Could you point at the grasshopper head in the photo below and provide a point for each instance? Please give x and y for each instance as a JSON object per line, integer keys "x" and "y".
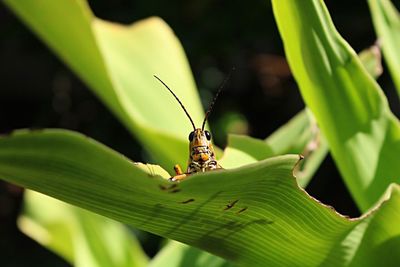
{"x": 201, "y": 149}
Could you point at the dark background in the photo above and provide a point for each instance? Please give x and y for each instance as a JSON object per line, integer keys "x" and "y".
{"x": 38, "y": 91}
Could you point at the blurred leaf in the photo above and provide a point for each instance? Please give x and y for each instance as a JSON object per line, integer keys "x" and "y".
{"x": 230, "y": 122}
{"x": 363, "y": 135}
{"x": 293, "y": 135}
{"x": 371, "y": 59}
{"x": 243, "y": 150}
{"x": 255, "y": 215}
{"x": 118, "y": 63}
{"x": 81, "y": 237}
{"x": 306, "y": 139}
{"x": 233, "y": 157}
{"x": 176, "y": 254}
{"x": 298, "y": 136}
{"x": 386, "y": 20}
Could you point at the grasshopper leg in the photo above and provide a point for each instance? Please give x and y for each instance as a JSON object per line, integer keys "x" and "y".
{"x": 178, "y": 170}
{"x": 178, "y": 178}
{"x": 179, "y": 174}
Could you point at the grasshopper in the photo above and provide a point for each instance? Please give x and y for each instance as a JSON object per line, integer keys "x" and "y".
{"x": 201, "y": 151}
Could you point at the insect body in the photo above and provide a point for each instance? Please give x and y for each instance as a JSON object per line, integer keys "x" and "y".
{"x": 201, "y": 152}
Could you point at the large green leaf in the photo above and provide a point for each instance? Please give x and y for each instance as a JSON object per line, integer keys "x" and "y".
{"x": 255, "y": 215}
{"x": 363, "y": 135}
{"x": 81, "y": 237}
{"x": 118, "y": 63}
{"x": 386, "y": 20}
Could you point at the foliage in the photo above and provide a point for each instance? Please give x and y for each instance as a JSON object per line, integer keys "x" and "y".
{"x": 351, "y": 110}
{"x": 386, "y": 20}
{"x": 253, "y": 213}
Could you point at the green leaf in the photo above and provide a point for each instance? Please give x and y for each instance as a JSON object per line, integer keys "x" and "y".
{"x": 375, "y": 238}
{"x": 176, "y": 254}
{"x": 255, "y": 215}
{"x": 118, "y": 63}
{"x": 298, "y": 136}
{"x": 363, "y": 135}
{"x": 81, "y": 237}
{"x": 386, "y": 21}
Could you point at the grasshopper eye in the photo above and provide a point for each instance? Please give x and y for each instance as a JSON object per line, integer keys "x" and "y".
{"x": 208, "y": 135}
{"x": 191, "y": 135}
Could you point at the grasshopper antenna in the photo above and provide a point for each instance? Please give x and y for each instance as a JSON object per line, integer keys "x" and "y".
{"x": 177, "y": 99}
{"x": 216, "y": 96}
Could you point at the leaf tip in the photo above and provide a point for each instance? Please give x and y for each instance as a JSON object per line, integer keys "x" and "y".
{"x": 297, "y": 165}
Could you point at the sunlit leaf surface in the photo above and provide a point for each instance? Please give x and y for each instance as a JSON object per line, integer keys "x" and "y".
{"x": 351, "y": 110}
{"x": 255, "y": 215}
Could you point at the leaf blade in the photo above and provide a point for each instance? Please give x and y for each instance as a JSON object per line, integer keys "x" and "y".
{"x": 118, "y": 62}
{"x": 353, "y": 114}
{"x": 247, "y": 221}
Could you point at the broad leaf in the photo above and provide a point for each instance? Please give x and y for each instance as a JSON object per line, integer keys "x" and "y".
{"x": 363, "y": 135}
{"x": 118, "y": 63}
{"x": 255, "y": 215}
